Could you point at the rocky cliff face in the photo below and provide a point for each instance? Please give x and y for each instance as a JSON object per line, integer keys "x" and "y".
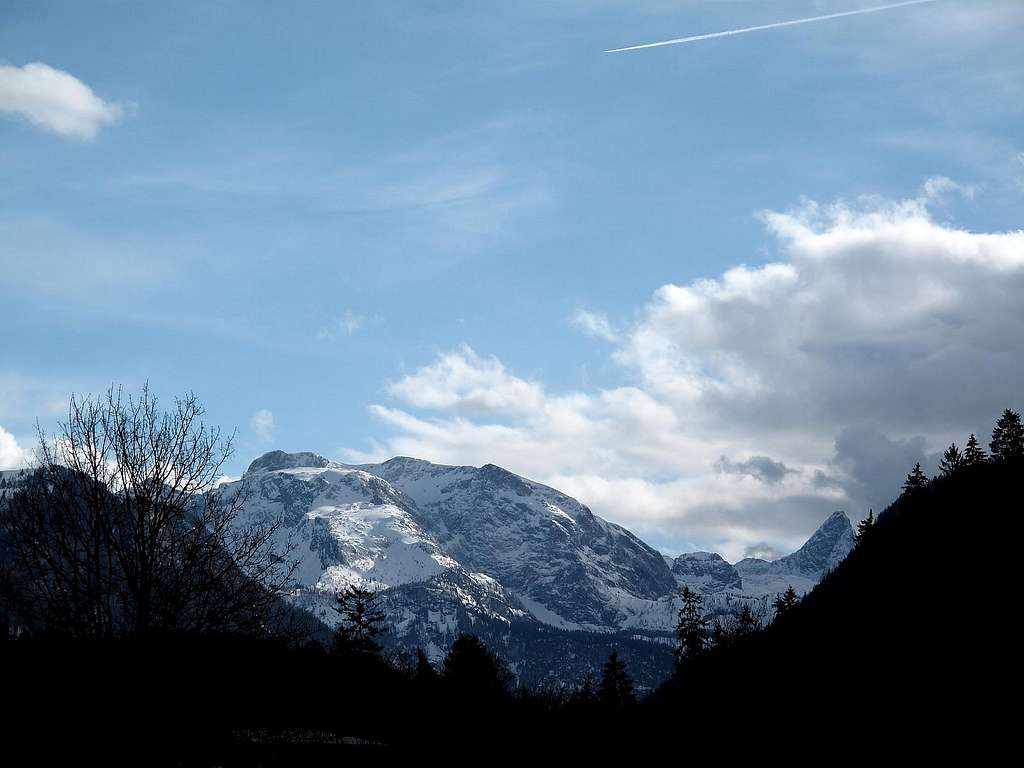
{"x": 568, "y": 566}
{"x": 706, "y": 572}
{"x": 803, "y": 569}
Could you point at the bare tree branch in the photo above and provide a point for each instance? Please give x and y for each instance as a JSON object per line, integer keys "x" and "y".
{"x": 121, "y": 530}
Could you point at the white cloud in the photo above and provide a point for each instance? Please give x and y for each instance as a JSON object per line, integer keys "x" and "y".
{"x": 346, "y": 325}
{"x": 55, "y": 101}
{"x": 938, "y": 186}
{"x": 767, "y": 397}
{"x": 262, "y": 424}
{"x": 12, "y": 455}
{"x": 594, "y": 324}
{"x": 464, "y": 381}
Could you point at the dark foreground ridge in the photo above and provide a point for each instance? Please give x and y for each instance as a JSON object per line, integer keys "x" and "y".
{"x": 888, "y": 641}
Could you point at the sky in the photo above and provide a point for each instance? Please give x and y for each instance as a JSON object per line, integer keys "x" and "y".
{"x": 714, "y": 290}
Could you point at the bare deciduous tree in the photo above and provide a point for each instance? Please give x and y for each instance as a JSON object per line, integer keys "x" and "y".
{"x": 122, "y": 530}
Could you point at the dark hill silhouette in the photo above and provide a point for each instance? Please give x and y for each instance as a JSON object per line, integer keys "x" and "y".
{"x": 913, "y": 626}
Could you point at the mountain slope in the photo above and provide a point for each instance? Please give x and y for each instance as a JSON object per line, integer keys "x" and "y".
{"x": 482, "y": 550}
{"x": 803, "y": 569}
{"x": 570, "y": 567}
{"x": 348, "y": 526}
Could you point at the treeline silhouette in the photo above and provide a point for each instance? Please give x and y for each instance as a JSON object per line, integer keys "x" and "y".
{"x": 914, "y": 626}
{"x": 913, "y": 633}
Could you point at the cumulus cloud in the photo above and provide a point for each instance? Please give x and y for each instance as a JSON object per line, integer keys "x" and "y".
{"x": 263, "y": 426}
{"x": 12, "y": 455}
{"x": 594, "y": 324}
{"x": 875, "y": 335}
{"x": 465, "y": 381}
{"x": 55, "y": 101}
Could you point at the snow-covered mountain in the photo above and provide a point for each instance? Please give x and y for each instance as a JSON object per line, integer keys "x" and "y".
{"x": 481, "y": 549}
{"x": 567, "y": 566}
{"x": 804, "y": 568}
{"x": 706, "y": 572}
{"x": 349, "y": 526}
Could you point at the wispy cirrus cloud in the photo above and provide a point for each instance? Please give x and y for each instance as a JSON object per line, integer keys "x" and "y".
{"x": 348, "y": 324}
{"x": 937, "y": 187}
{"x": 55, "y": 101}
{"x": 262, "y": 425}
{"x": 594, "y": 324}
{"x": 454, "y": 193}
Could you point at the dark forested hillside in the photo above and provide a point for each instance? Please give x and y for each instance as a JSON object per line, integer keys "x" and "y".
{"x": 917, "y": 622}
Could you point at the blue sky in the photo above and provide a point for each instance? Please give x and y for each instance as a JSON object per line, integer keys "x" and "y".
{"x": 442, "y": 228}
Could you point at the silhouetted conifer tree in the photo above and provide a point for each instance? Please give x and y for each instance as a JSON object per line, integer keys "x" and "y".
{"x": 974, "y": 454}
{"x": 916, "y": 480}
{"x": 1008, "y": 437}
{"x": 746, "y": 623}
{"x": 474, "y": 671}
{"x": 616, "y": 688}
{"x": 864, "y": 528}
{"x": 692, "y": 628}
{"x": 952, "y": 460}
{"x": 362, "y": 620}
{"x": 785, "y": 602}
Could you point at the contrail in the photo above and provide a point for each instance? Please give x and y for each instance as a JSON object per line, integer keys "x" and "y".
{"x": 777, "y": 24}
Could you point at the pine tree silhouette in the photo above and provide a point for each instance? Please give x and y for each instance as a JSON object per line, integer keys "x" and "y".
{"x": 974, "y": 454}
{"x": 1008, "y": 437}
{"x": 952, "y": 460}
{"x": 691, "y": 629}
{"x": 474, "y": 671}
{"x": 864, "y": 528}
{"x": 746, "y": 623}
{"x": 616, "y": 689}
{"x": 917, "y": 480}
{"x": 785, "y": 602}
{"x": 362, "y": 620}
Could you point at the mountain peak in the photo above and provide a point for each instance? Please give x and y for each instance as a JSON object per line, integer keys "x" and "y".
{"x": 706, "y": 571}
{"x": 825, "y": 549}
{"x": 396, "y": 461}
{"x": 839, "y": 516}
{"x": 275, "y": 460}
